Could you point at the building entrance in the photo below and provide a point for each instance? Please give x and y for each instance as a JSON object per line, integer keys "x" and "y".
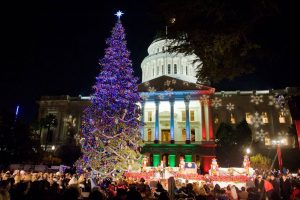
{"x": 165, "y": 135}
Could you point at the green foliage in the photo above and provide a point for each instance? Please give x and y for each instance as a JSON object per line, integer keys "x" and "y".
{"x": 260, "y": 162}
{"x": 240, "y": 135}
{"x": 220, "y": 33}
{"x": 48, "y": 122}
{"x": 17, "y": 143}
{"x": 231, "y": 142}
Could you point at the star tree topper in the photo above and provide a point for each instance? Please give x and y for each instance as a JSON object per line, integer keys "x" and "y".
{"x": 119, "y": 14}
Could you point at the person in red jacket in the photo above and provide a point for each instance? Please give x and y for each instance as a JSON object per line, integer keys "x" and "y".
{"x": 268, "y": 188}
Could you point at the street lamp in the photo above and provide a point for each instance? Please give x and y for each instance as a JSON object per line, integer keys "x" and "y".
{"x": 52, "y": 154}
{"x": 248, "y": 151}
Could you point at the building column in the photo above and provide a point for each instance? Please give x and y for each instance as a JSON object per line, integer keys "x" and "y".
{"x": 210, "y": 124}
{"x": 143, "y": 120}
{"x": 187, "y": 121}
{"x": 172, "y": 101}
{"x": 156, "y": 121}
{"x": 203, "y": 124}
{"x": 206, "y": 116}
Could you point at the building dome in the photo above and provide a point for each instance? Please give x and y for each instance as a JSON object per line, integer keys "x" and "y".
{"x": 161, "y": 63}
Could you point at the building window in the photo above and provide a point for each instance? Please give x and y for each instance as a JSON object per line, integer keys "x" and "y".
{"x": 163, "y": 49}
{"x": 157, "y": 50}
{"x": 157, "y": 70}
{"x": 249, "y": 118}
{"x": 162, "y": 69}
{"x": 150, "y": 116}
{"x": 175, "y": 68}
{"x": 265, "y": 117}
{"x": 183, "y": 116}
{"x": 183, "y": 135}
{"x": 193, "y": 135}
{"x": 216, "y": 120}
{"x": 169, "y": 68}
{"x": 192, "y": 113}
{"x": 181, "y": 69}
{"x": 149, "y": 134}
{"x": 153, "y": 71}
{"x": 232, "y": 119}
{"x": 281, "y": 118}
{"x": 186, "y": 70}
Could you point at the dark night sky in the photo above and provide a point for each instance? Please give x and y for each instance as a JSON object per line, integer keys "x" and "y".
{"x": 52, "y": 48}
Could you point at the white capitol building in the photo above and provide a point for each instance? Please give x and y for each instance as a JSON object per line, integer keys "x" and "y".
{"x": 159, "y": 63}
{"x": 181, "y": 117}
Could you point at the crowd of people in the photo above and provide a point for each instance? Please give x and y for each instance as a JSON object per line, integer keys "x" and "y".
{"x": 20, "y": 185}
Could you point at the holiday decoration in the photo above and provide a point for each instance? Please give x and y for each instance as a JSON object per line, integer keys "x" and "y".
{"x": 145, "y": 162}
{"x": 111, "y": 130}
{"x": 216, "y": 102}
{"x": 246, "y": 165}
{"x": 204, "y": 99}
{"x": 256, "y": 99}
{"x": 181, "y": 164}
{"x": 260, "y": 135}
{"x": 285, "y": 111}
{"x": 230, "y": 106}
{"x": 273, "y": 102}
{"x": 257, "y": 120}
{"x": 214, "y": 168}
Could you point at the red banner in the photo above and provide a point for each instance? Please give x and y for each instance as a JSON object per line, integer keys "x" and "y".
{"x": 279, "y": 157}
{"x": 297, "y": 123}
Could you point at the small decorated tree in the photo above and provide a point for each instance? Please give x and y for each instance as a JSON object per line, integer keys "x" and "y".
{"x": 111, "y": 128}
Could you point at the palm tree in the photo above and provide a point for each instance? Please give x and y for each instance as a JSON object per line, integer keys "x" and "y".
{"x": 48, "y": 122}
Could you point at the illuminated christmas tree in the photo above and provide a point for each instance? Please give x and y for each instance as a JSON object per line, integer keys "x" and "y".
{"x": 111, "y": 128}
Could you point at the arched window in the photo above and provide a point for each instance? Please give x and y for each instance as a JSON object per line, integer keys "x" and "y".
{"x": 175, "y": 68}
{"x": 169, "y": 68}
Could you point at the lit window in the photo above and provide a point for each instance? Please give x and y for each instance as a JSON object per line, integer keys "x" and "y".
{"x": 193, "y": 135}
{"x": 169, "y": 68}
{"x": 175, "y": 68}
{"x": 150, "y": 116}
{"x": 265, "y": 117}
{"x": 183, "y": 135}
{"x": 281, "y": 118}
{"x": 249, "y": 118}
{"x": 162, "y": 69}
{"x": 183, "y": 115}
{"x": 267, "y": 141}
{"x": 157, "y": 70}
{"x": 216, "y": 120}
{"x": 186, "y": 70}
{"x": 149, "y": 134}
{"x": 192, "y": 115}
{"x": 232, "y": 119}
